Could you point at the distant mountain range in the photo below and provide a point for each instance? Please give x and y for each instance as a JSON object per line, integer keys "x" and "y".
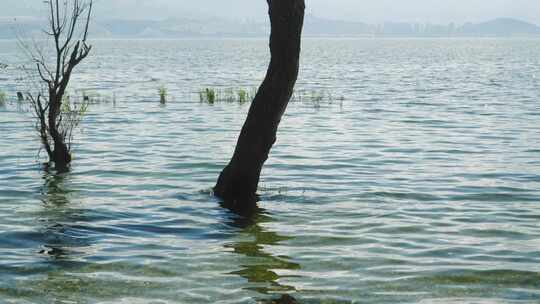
{"x": 497, "y": 27}
{"x": 314, "y": 27}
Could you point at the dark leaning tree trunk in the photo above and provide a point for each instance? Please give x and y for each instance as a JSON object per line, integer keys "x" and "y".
{"x": 238, "y": 182}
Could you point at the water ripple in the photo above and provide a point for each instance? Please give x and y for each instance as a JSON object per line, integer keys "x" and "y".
{"x": 422, "y": 187}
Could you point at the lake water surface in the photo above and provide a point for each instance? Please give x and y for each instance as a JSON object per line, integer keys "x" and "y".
{"x": 421, "y": 186}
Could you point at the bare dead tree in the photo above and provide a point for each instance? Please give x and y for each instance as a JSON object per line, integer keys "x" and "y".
{"x": 68, "y": 24}
{"x": 238, "y": 181}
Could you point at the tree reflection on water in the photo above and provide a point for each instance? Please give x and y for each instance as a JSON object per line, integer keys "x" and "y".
{"x": 59, "y": 219}
{"x": 261, "y": 268}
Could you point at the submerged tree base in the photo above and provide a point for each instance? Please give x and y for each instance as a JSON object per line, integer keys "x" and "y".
{"x": 60, "y": 167}
{"x": 237, "y": 186}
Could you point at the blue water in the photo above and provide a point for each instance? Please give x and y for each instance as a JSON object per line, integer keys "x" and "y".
{"x": 417, "y": 182}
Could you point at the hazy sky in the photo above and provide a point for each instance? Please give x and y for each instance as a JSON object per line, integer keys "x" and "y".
{"x": 371, "y": 11}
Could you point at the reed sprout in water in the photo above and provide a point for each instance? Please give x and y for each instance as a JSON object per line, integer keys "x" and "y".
{"x": 243, "y": 96}
{"x": 3, "y": 98}
{"x": 314, "y": 97}
{"x": 162, "y": 94}
{"x": 317, "y": 98}
{"x": 229, "y": 95}
{"x": 208, "y": 95}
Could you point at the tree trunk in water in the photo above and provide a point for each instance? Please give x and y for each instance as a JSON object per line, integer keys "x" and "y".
{"x": 61, "y": 156}
{"x": 239, "y": 180}
{"x": 60, "y": 153}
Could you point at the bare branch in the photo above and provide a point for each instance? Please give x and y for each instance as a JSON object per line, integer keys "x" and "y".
{"x": 87, "y": 23}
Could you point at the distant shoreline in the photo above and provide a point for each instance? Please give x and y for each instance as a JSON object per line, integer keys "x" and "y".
{"x": 314, "y": 28}
{"x": 366, "y": 37}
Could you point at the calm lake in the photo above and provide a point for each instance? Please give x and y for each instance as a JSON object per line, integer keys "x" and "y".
{"x": 417, "y": 182}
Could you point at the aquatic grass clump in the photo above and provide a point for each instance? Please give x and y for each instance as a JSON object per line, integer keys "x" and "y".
{"x": 244, "y": 96}
{"x": 317, "y": 98}
{"x": 3, "y": 98}
{"x": 229, "y": 95}
{"x": 75, "y": 111}
{"x": 162, "y": 94}
{"x": 208, "y": 95}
